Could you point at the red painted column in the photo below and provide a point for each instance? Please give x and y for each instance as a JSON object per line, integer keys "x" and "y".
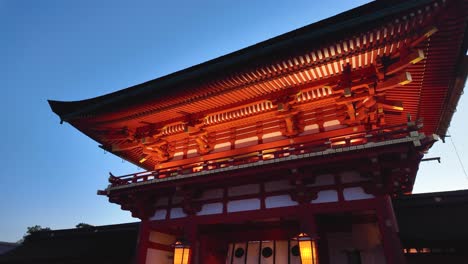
{"x": 389, "y": 231}
{"x": 143, "y": 241}
{"x": 192, "y": 235}
{"x": 307, "y": 221}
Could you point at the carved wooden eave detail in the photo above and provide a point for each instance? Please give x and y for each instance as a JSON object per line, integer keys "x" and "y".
{"x": 160, "y": 150}
{"x": 204, "y": 144}
{"x": 290, "y": 125}
{"x": 301, "y": 193}
{"x": 189, "y": 204}
{"x": 141, "y": 205}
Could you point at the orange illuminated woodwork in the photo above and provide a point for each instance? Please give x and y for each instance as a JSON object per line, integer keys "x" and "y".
{"x": 372, "y": 71}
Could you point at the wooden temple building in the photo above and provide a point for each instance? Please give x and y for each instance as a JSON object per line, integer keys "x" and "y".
{"x": 288, "y": 151}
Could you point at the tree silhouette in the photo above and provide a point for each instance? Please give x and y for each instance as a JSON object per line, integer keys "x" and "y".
{"x": 31, "y": 230}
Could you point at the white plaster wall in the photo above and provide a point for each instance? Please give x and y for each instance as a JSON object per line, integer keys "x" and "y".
{"x": 211, "y": 208}
{"x": 178, "y": 155}
{"x": 243, "y": 205}
{"x": 356, "y": 193}
{"x": 159, "y": 214}
{"x": 332, "y": 124}
{"x": 240, "y": 143}
{"x": 222, "y": 147}
{"x": 310, "y": 129}
{"x": 177, "y": 212}
{"x": 192, "y": 153}
{"x": 156, "y": 256}
{"x": 326, "y": 196}
{"x": 279, "y": 201}
{"x": 274, "y": 136}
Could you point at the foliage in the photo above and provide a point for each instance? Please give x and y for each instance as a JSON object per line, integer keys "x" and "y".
{"x": 83, "y": 225}
{"x": 31, "y": 230}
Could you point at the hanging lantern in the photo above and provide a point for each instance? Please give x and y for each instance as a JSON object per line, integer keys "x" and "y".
{"x": 307, "y": 248}
{"x": 181, "y": 253}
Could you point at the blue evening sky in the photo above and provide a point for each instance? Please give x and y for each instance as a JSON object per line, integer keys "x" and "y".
{"x": 71, "y": 50}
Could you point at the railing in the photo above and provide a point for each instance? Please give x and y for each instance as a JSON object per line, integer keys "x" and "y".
{"x": 377, "y": 135}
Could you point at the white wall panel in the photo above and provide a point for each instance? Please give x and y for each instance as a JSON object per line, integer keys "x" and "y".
{"x": 310, "y": 129}
{"x": 279, "y": 201}
{"x": 326, "y": 196}
{"x": 211, "y": 208}
{"x": 274, "y": 136}
{"x": 177, "y": 213}
{"x": 243, "y": 205}
{"x": 192, "y": 153}
{"x": 356, "y": 193}
{"x": 159, "y": 214}
{"x": 245, "y": 142}
{"x": 222, "y": 147}
{"x": 178, "y": 155}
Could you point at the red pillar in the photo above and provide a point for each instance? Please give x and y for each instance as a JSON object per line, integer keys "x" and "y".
{"x": 307, "y": 221}
{"x": 192, "y": 235}
{"x": 389, "y": 231}
{"x": 143, "y": 241}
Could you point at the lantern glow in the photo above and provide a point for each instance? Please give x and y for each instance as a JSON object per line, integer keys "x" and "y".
{"x": 307, "y": 249}
{"x": 181, "y": 253}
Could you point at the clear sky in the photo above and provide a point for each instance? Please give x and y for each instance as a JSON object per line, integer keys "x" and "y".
{"x": 71, "y": 50}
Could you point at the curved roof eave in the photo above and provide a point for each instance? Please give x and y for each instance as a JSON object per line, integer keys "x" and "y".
{"x": 68, "y": 111}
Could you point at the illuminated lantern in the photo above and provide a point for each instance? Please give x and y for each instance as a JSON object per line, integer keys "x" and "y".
{"x": 307, "y": 249}
{"x": 181, "y": 253}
